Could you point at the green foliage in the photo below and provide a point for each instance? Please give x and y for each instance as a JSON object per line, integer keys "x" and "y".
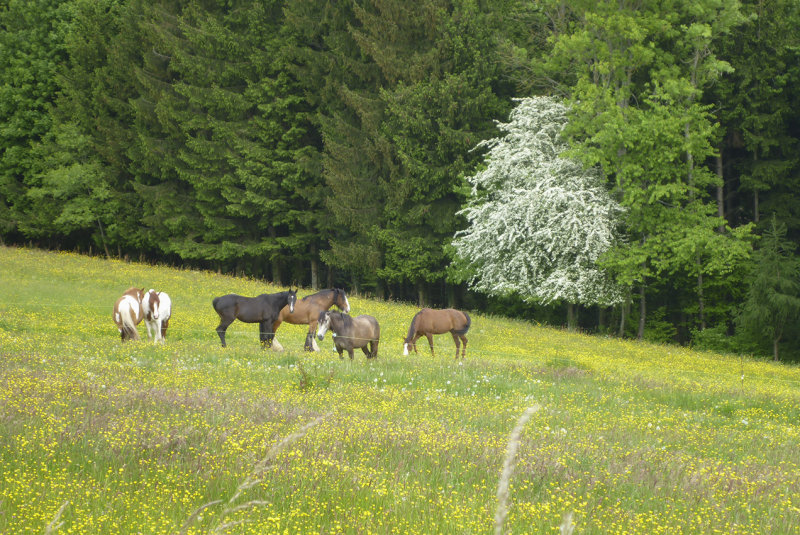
{"x": 271, "y": 136}
{"x": 772, "y": 306}
{"x": 31, "y": 48}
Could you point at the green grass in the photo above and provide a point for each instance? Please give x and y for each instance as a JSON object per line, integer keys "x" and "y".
{"x": 137, "y": 438}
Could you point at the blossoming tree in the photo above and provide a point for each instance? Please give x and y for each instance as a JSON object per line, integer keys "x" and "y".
{"x": 538, "y": 221}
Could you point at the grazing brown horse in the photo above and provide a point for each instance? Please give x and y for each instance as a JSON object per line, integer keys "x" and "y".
{"x": 128, "y": 313}
{"x": 429, "y": 321}
{"x": 307, "y": 311}
{"x": 351, "y": 333}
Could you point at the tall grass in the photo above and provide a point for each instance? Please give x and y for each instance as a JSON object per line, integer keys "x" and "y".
{"x": 159, "y": 439}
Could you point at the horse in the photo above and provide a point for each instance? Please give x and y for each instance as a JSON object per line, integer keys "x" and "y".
{"x": 157, "y": 307}
{"x": 350, "y": 333}
{"x": 263, "y": 310}
{"x": 307, "y": 311}
{"x": 128, "y": 313}
{"x": 429, "y": 321}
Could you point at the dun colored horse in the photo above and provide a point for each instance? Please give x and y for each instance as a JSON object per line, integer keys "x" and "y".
{"x": 157, "y": 307}
{"x": 263, "y": 310}
{"x": 128, "y": 313}
{"x": 429, "y": 321}
{"x": 307, "y": 312}
{"x": 350, "y": 333}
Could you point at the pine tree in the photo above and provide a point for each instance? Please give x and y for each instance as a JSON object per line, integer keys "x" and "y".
{"x": 772, "y": 307}
{"x": 83, "y": 192}
{"x": 539, "y": 222}
{"x": 31, "y": 48}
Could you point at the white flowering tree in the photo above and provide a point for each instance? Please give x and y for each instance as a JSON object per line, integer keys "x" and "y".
{"x": 538, "y": 221}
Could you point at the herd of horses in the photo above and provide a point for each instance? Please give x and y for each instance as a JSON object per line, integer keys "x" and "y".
{"x": 270, "y": 310}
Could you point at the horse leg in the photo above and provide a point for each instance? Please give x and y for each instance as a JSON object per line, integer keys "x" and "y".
{"x": 457, "y": 342}
{"x": 366, "y": 351}
{"x": 164, "y": 325}
{"x": 312, "y": 331}
{"x": 373, "y": 348}
{"x": 221, "y": 328}
{"x": 350, "y": 352}
{"x": 414, "y": 342}
{"x": 464, "y": 347}
{"x": 276, "y": 346}
{"x": 430, "y": 342}
{"x": 264, "y": 335}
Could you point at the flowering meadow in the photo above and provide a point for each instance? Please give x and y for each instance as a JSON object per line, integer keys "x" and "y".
{"x": 100, "y": 436}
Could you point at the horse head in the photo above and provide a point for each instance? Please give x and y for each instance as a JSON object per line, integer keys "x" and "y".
{"x": 292, "y": 299}
{"x": 152, "y": 302}
{"x": 340, "y": 300}
{"x": 323, "y": 324}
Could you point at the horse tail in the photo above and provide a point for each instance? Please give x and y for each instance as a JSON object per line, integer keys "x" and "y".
{"x": 413, "y": 327}
{"x": 127, "y": 321}
{"x": 464, "y": 330}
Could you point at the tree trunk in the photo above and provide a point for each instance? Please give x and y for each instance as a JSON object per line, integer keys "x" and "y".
{"x": 103, "y": 238}
{"x": 755, "y": 206}
{"x": 755, "y": 193}
{"x": 700, "y": 300}
{"x": 355, "y": 288}
{"x": 314, "y": 268}
{"x": 421, "y": 294}
{"x": 380, "y": 290}
{"x": 601, "y": 318}
{"x": 720, "y": 193}
{"x": 775, "y": 348}
{"x": 331, "y": 276}
{"x": 642, "y": 312}
{"x": 277, "y": 276}
{"x": 623, "y": 316}
{"x": 570, "y": 317}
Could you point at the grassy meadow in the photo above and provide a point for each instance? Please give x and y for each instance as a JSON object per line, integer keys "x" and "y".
{"x": 97, "y": 436}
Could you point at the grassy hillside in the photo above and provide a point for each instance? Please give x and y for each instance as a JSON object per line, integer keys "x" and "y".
{"x": 97, "y": 436}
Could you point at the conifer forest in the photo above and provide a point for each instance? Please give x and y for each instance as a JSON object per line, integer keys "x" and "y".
{"x": 627, "y": 168}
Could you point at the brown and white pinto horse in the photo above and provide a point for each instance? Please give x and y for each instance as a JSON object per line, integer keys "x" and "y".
{"x": 128, "y": 313}
{"x": 307, "y": 311}
{"x": 157, "y": 309}
{"x": 429, "y": 321}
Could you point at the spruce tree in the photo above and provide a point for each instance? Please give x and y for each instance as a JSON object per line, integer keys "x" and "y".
{"x": 772, "y": 307}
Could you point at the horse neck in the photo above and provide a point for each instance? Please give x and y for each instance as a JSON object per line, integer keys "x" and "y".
{"x": 338, "y": 321}
{"x": 323, "y": 298}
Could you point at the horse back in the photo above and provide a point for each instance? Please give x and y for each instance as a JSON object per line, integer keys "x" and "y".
{"x": 367, "y": 327}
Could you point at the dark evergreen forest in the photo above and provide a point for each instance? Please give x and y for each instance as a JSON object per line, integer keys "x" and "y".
{"x": 327, "y": 143}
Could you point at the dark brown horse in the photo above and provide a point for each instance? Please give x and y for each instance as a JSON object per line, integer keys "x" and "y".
{"x": 429, "y": 321}
{"x": 307, "y": 311}
{"x": 128, "y": 313}
{"x": 263, "y": 310}
{"x": 351, "y": 333}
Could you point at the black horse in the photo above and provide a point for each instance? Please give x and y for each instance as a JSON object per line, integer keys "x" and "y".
{"x": 263, "y": 310}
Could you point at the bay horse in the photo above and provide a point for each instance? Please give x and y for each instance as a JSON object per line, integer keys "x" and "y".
{"x": 351, "y": 333}
{"x": 263, "y": 310}
{"x": 307, "y": 311}
{"x": 128, "y": 313}
{"x": 429, "y": 321}
{"x": 157, "y": 308}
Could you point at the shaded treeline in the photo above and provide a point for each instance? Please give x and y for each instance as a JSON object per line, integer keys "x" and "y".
{"x": 327, "y": 143}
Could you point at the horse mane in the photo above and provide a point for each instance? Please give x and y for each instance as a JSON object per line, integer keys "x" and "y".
{"x": 317, "y": 293}
{"x": 411, "y": 328}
